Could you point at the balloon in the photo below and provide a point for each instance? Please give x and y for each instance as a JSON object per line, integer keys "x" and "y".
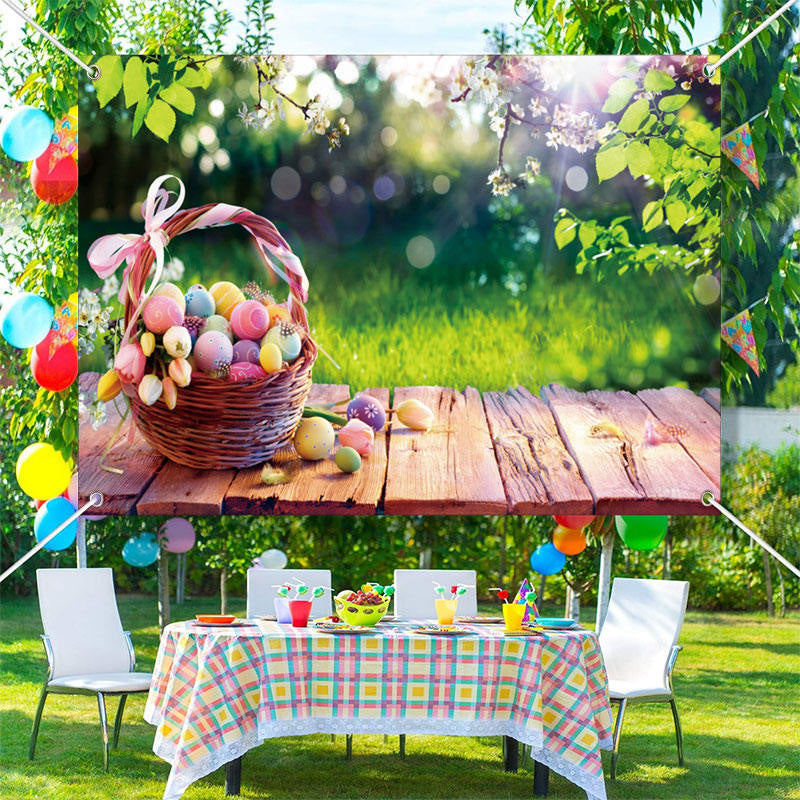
{"x": 25, "y": 133}
{"x": 72, "y": 491}
{"x": 41, "y": 471}
{"x": 273, "y": 559}
{"x": 54, "y": 180}
{"x": 642, "y": 533}
{"x": 568, "y": 541}
{"x": 576, "y": 523}
{"x": 546, "y": 560}
{"x": 25, "y": 319}
{"x": 141, "y": 550}
{"x": 52, "y": 514}
{"x": 178, "y": 535}
{"x": 54, "y": 370}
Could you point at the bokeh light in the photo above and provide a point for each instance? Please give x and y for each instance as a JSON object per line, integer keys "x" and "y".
{"x": 346, "y": 72}
{"x": 285, "y": 183}
{"x": 441, "y": 184}
{"x": 577, "y": 178}
{"x": 706, "y": 289}
{"x": 216, "y": 108}
{"x": 337, "y": 184}
{"x": 389, "y": 136}
{"x": 383, "y": 188}
{"x": 420, "y": 252}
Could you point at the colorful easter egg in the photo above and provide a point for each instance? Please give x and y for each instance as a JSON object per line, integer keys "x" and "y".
{"x": 244, "y": 351}
{"x": 314, "y": 438}
{"x": 245, "y": 371}
{"x": 250, "y": 320}
{"x": 277, "y": 313}
{"x": 178, "y": 342}
{"x": 216, "y": 322}
{"x": 199, "y": 302}
{"x": 212, "y": 351}
{"x": 171, "y": 290}
{"x": 160, "y": 313}
{"x": 288, "y": 341}
{"x": 368, "y": 410}
{"x": 270, "y": 357}
{"x": 226, "y": 296}
{"x": 347, "y": 459}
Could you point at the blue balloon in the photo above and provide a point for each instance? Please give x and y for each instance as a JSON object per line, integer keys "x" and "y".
{"x": 547, "y": 560}
{"x": 25, "y": 133}
{"x": 52, "y": 514}
{"x": 141, "y": 550}
{"x": 25, "y": 319}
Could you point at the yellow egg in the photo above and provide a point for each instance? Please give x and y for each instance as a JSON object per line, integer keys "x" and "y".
{"x": 227, "y": 296}
{"x": 270, "y": 357}
{"x": 171, "y": 290}
{"x": 314, "y": 438}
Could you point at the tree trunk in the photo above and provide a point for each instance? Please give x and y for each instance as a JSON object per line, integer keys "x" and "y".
{"x": 782, "y": 590}
{"x": 666, "y": 571}
{"x": 163, "y": 589}
{"x": 573, "y": 605}
{"x": 604, "y": 577}
{"x": 502, "y": 574}
{"x": 768, "y": 584}
{"x": 542, "y": 582}
{"x": 80, "y": 544}
{"x": 223, "y": 591}
{"x": 425, "y": 558}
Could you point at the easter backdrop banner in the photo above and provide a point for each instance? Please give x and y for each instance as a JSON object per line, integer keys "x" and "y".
{"x": 307, "y": 283}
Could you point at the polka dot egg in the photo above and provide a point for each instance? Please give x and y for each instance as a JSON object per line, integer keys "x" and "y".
{"x": 216, "y": 322}
{"x": 199, "y": 302}
{"x": 212, "y": 351}
{"x": 160, "y": 313}
{"x": 250, "y": 320}
{"x": 226, "y": 296}
{"x": 314, "y": 438}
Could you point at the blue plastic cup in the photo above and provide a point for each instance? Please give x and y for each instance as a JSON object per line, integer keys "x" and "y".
{"x": 282, "y": 610}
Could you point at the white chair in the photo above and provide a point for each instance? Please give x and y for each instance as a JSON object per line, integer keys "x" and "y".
{"x": 639, "y": 641}
{"x": 261, "y": 591}
{"x": 87, "y": 651}
{"x": 414, "y": 597}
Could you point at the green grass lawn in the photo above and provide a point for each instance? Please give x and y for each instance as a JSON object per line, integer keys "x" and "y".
{"x": 736, "y": 681}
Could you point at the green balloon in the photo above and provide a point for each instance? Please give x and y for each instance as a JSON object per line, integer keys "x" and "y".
{"x": 642, "y": 533}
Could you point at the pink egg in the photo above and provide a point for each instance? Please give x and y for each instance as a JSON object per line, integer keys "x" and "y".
{"x": 212, "y": 350}
{"x": 160, "y": 313}
{"x": 245, "y": 350}
{"x": 245, "y": 371}
{"x": 250, "y": 320}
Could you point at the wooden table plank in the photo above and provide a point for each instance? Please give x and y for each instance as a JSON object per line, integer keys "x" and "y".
{"x": 539, "y": 475}
{"x": 450, "y": 469}
{"x": 676, "y": 406}
{"x": 182, "y": 490}
{"x": 137, "y": 460}
{"x": 604, "y": 431}
{"x": 317, "y": 487}
{"x": 712, "y": 397}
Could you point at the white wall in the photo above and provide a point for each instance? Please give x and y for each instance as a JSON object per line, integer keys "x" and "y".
{"x": 766, "y": 427}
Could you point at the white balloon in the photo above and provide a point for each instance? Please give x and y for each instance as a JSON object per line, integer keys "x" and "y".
{"x": 273, "y": 559}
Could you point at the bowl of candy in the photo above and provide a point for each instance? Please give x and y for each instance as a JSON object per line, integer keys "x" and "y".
{"x": 366, "y": 606}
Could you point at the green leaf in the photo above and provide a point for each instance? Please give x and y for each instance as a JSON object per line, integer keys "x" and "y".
{"x": 565, "y": 232}
{"x": 652, "y": 215}
{"x": 657, "y": 80}
{"x": 178, "y": 96}
{"x": 634, "y": 116}
{"x": 195, "y": 78}
{"x": 619, "y": 93}
{"x": 109, "y": 83}
{"x": 587, "y": 234}
{"x": 134, "y": 81}
{"x": 610, "y": 162}
{"x": 160, "y": 119}
{"x": 676, "y": 215}
{"x": 673, "y": 102}
{"x": 142, "y": 107}
{"x": 640, "y": 159}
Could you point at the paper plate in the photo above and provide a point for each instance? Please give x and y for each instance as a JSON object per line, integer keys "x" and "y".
{"x": 440, "y": 630}
{"x": 236, "y": 623}
{"x": 556, "y": 623}
{"x": 343, "y": 628}
{"x": 480, "y": 620}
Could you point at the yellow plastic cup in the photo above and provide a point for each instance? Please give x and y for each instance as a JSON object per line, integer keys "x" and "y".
{"x": 446, "y": 610}
{"x": 513, "y": 614}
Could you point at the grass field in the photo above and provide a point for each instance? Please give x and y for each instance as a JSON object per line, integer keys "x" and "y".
{"x": 736, "y": 681}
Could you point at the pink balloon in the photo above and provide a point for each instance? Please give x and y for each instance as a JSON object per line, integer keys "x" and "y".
{"x": 72, "y": 490}
{"x": 94, "y": 517}
{"x": 178, "y": 535}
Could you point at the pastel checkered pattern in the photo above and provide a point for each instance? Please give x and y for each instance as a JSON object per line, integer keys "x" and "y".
{"x": 214, "y": 687}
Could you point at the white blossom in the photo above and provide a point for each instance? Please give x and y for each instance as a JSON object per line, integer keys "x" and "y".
{"x": 533, "y": 168}
{"x": 500, "y": 182}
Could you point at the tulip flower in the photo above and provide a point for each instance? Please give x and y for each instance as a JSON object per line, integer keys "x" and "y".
{"x": 170, "y": 392}
{"x": 130, "y": 363}
{"x": 181, "y": 372}
{"x": 415, "y": 415}
{"x": 109, "y": 386}
{"x": 358, "y": 435}
{"x": 150, "y": 389}
{"x": 147, "y": 342}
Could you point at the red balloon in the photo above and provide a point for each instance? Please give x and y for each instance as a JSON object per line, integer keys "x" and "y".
{"x": 575, "y": 523}
{"x": 54, "y": 185}
{"x": 58, "y": 372}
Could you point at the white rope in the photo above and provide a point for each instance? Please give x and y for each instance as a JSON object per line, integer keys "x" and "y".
{"x": 710, "y": 69}
{"x": 92, "y": 71}
{"x": 708, "y": 500}
{"x": 95, "y": 499}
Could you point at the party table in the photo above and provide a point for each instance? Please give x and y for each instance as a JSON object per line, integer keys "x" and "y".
{"x": 218, "y": 692}
{"x": 512, "y": 452}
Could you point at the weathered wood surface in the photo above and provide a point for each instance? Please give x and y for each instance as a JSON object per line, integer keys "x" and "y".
{"x": 500, "y": 453}
{"x": 450, "y": 469}
{"x": 712, "y": 397}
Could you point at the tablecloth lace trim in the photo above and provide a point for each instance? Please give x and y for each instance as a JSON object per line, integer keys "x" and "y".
{"x": 595, "y": 787}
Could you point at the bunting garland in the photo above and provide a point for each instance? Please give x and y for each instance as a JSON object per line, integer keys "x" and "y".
{"x": 738, "y": 333}
{"x": 738, "y": 147}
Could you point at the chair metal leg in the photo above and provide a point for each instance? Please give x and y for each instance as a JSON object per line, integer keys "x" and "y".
{"x": 402, "y": 745}
{"x": 541, "y": 779}
{"x": 678, "y": 732}
{"x": 36, "y": 720}
{"x": 233, "y": 777}
{"x": 333, "y": 737}
{"x": 101, "y": 707}
{"x": 617, "y": 733}
{"x": 348, "y": 753}
{"x": 510, "y": 754}
{"x": 118, "y": 720}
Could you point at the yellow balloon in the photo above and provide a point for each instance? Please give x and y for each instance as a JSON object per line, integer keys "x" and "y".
{"x": 42, "y": 473}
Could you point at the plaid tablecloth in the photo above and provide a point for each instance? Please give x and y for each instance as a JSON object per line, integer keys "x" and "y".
{"x": 217, "y": 692}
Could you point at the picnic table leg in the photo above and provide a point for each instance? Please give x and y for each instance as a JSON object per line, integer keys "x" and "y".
{"x": 541, "y": 779}
{"x": 233, "y": 777}
{"x": 511, "y": 753}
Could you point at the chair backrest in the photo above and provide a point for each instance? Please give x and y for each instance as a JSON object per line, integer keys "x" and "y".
{"x": 414, "y": 597}
{"x": 81, "y": 620}
{"x": 261, "y": 593}
{"x": 641, "y": 627}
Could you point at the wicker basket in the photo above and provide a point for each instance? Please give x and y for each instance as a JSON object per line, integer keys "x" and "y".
{"x": 219, "y": 424}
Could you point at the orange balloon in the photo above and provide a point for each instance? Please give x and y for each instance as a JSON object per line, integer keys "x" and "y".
{"x": 568, "y": 540}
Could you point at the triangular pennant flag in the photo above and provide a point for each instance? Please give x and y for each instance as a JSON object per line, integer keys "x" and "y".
{"x": 738, "y": 147}
{"x": 65, "y": 138}
{"x": 64, "y": 324}
{"x": 738, "y": 333}
{"x": 522, "y": 597}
